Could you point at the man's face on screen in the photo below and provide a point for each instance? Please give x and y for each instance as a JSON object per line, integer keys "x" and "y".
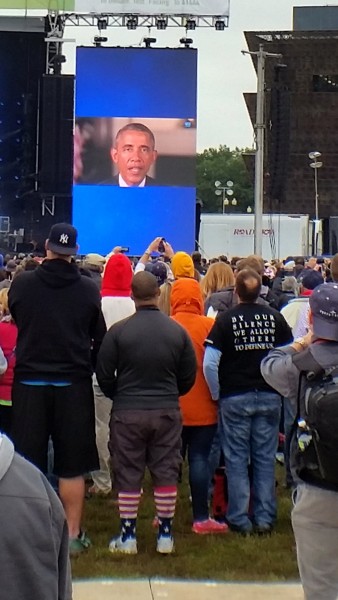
{"x": 134, "y": 154}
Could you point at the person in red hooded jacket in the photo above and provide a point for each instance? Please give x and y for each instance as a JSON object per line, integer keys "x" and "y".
{"x": 8, "y": 336}
{"x": 117, "y": 304}
{"x": 199, "y": 411}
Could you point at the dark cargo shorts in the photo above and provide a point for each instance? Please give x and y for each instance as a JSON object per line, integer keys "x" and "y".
{"x": 145, "y": 438}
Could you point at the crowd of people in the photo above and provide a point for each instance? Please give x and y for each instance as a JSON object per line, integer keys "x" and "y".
{"x": 111, "y": 365}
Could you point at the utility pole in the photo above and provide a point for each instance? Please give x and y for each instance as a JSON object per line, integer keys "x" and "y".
{"x": 260, "y": 138}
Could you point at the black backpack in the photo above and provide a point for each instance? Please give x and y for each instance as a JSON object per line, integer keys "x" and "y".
{"x": 316, "y": 426}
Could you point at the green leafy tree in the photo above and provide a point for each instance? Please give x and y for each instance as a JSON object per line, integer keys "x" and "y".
{"x": 222, "y": 164}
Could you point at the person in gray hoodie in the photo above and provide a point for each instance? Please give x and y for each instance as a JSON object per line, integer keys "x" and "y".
{"x": 315, "y": 513}
{"x": 34, "y": 535}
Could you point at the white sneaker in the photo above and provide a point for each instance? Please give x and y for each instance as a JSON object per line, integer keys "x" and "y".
{"x": 165, "y": 544}
{"x": 129, "y": 546}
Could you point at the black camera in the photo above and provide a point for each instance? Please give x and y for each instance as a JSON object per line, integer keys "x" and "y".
{"x": 161, "y": 247}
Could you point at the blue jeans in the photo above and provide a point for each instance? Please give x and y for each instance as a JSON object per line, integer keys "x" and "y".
{"x": 198, "y": 440}
{"x": 249, "y": 426}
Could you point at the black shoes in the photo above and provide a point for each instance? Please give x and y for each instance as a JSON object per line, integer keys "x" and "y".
{"x": 264, "y": 529}
{"x": 260, "y": 530}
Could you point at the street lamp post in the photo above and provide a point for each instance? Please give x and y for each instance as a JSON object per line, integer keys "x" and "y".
{"x": 224, "y": 191}
{"x": 260, "y": 134}
{"x": 315, "y": 165}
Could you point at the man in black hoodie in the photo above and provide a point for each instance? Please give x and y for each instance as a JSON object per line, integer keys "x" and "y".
{"x": 60, "y": 328}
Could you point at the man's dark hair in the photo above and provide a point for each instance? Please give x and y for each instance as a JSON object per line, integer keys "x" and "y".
{"x": 135, "y": 127}
{"x": 29, "y": 264}
{"x": 223, "y": 258}
{"x": 248, "y": 285}
{"x": 253, "y": 261}
{"x": 144, "y": 286}
{"x": 300, "y": 260}
{"x": 196, "y": 258}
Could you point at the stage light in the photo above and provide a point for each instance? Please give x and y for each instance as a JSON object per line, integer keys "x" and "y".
{"x": 102, "y": 24}
{"x": 190, "y": 24}
{"x": 186, "y": 42}
{"x": 57, "y": 62}
{"x": 132, "y": 22}
{"x": 148, "y": 41}
{"x": 161, "y": 22}
{"x": 98, "y": 40}
{"x": 219, "y": 24}
{"x": 59, "y": 59}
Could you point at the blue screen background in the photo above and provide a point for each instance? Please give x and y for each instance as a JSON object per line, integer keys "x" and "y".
{"x": 130, "y": 82}
{"x": 113, "y": 216}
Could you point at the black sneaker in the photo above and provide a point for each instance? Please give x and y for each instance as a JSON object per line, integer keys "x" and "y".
{"x": 240, "y": 530}
{"x": 264, "y": 529}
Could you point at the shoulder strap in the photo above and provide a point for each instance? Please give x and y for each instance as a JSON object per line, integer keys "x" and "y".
{"x": 306, "y": 363}
{"x": 308, "y": 369}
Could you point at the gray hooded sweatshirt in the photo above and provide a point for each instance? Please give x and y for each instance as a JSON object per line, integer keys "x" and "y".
{"x": 279, "y": 371}
{"x": 34, "y": 551}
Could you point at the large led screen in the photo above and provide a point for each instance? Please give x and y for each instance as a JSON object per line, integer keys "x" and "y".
{"x": 135, "y": 148}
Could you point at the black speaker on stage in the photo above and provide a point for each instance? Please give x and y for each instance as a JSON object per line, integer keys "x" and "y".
{"x": 56, "y": 135}
{"x": 333, "y": 235}
{"x": 24, "y": 247}
{"x": 279, "y": 142}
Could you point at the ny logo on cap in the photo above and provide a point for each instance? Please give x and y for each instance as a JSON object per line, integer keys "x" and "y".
{"x": 63, "y": 238}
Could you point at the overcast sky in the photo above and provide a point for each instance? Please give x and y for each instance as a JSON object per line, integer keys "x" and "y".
{"x": 223, "y": 72}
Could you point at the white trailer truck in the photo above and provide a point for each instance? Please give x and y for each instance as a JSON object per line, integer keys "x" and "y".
{"x": 233, "y": 235}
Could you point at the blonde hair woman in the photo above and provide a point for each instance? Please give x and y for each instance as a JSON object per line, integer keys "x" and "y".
{"x": 219, "y": 276}
{"x": 4, "y": 311}
{"x": 164, "y": 299}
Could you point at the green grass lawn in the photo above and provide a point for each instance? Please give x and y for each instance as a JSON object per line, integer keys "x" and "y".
{"x": 219, "y": 557}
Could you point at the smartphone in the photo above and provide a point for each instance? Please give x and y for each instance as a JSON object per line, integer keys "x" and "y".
{"x": 161, "y": 247}
{"x": 124, "y": 248}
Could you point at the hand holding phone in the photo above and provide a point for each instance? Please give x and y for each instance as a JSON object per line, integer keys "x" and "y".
{"x": 161, "y": 246}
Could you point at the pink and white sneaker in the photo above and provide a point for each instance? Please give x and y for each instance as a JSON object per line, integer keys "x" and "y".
{"x": 209, "y": 526}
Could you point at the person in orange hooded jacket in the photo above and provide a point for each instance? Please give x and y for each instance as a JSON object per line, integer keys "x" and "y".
{"x": 199, "y": 411}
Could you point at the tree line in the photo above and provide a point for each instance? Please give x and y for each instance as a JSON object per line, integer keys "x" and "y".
{"x": 223, "y": 165}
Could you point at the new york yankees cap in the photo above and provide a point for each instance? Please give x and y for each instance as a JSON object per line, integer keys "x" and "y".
{"x": 62, "y": 239}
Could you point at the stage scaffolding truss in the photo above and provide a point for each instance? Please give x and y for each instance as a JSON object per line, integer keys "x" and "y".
{"x": 57, "y": 21}
{"x": 157, "y": 21}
